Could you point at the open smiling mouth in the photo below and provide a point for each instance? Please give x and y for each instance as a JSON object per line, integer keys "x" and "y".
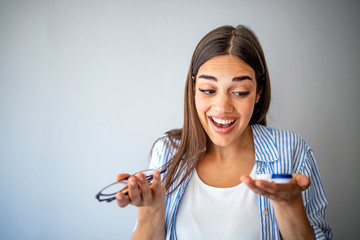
{"x": 221, "y": 123}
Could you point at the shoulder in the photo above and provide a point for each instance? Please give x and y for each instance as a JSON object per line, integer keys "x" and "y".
{"x": 279, "y": 137}
{"x": 273, "y": 132}
{"x": 166, "y": 144}
{"x": 285, "y": 149}
{"x": 164, "y": 149}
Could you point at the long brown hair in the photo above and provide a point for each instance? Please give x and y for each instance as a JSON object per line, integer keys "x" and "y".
{"x": 225, "y": 40}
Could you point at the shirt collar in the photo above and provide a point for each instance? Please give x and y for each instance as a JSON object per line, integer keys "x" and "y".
{"x": 264, "y": 142}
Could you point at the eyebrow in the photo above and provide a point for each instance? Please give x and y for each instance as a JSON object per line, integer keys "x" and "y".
{"x": 235, "y": 79}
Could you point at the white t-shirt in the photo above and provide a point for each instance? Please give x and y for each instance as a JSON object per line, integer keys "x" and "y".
{"x": 207, "y": 212}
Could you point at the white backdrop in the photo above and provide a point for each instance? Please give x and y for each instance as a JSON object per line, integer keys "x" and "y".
{"x": 87, "y": 86}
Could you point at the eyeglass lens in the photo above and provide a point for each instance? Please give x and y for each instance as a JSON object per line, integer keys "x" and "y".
{"x": 116, "y": 187}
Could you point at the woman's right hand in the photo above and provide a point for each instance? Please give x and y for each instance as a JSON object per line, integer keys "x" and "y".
{"x": 141, "y": 193}
{"x": 150, "y": 200}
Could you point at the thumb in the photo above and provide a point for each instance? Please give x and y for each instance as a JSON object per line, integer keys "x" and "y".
{"x": 302, "y": 181}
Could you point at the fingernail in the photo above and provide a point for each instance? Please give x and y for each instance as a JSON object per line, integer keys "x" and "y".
{"x": 120, "y": 197}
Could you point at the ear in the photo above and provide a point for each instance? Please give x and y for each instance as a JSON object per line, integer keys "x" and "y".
{"x": 258, "y": 95}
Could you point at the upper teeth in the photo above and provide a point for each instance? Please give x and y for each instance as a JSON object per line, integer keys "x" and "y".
{"x": 222, "y": 121}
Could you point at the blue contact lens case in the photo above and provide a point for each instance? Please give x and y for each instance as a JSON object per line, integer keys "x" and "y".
{"x": 275, "y": 178}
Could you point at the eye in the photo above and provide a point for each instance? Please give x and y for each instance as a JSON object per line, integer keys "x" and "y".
{"x": 207, "y": 91}
{"x": 241, "y": 93}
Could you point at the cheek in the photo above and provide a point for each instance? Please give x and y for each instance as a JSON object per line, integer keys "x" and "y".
{"x": 248, "y": 107}
{"x": 201, "y": 107}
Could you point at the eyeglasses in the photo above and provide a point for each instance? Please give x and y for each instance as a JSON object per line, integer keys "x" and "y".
{"x": 108, "y": 193}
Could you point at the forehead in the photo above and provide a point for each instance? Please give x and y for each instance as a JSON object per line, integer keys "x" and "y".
{"x": 226, "y": 65}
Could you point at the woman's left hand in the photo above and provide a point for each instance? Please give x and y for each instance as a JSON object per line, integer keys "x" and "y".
{"x": 280, "y": 193}
{"x": 288, "y": 205}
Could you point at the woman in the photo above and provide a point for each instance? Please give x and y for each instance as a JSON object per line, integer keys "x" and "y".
{"x": 208, "y": 191}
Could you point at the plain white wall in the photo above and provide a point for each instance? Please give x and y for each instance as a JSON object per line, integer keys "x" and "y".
{"x": 87, "y": 86}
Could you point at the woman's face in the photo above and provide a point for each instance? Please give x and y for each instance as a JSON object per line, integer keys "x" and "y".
{"x": 225, "y": 95}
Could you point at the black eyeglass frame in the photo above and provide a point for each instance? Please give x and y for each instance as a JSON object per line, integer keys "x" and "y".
{"x": 101, "y": 197}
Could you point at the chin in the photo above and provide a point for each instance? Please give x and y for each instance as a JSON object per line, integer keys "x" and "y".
{"x": 224, "y": 140}
{"x": 217, "y": 141}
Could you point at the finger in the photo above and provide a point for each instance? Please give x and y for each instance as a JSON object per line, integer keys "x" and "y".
{"x": 122, "y": 200}
{"x": 156, "y": 179}
{"x": 157, "y": 189}
{"x": 134, "y": 193}
{"x": 257, "y": 186}
{"x": 246, "y": 179}
{"x": 144, "y": 187}
{"x": 250, "y": 183}
{"x": 302, "y": 181}
{"x": 253, "y": 185}
{"x": 275, "y": 188}
{"x": 260, "y": 191}
{"x": 121, "y": 176}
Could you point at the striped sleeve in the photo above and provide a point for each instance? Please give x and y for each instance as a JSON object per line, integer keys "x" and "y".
{"x": 314, "y": 197}
{"x": 295, "y": 156}
{"x": 162, "y": 152}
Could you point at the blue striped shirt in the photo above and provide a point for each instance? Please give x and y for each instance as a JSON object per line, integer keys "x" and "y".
{"x": 276, "y": 151}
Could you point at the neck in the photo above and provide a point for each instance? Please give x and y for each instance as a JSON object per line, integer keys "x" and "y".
{"x": 242, "y": 145}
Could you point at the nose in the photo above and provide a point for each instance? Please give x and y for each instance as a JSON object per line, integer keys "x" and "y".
{"x": 223, "y": 103}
